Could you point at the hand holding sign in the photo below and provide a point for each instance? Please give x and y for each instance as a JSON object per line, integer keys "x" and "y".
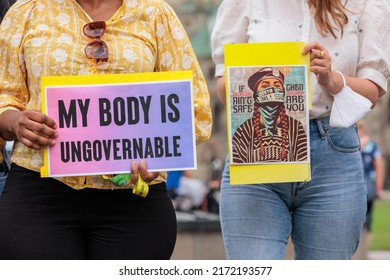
{"x": 142, "y": 171}
{"x": 140, "y": 182}
{"x": 32, "y": 128}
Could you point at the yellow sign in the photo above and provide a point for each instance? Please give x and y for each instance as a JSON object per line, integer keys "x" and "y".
{"x": 267, "y": 104}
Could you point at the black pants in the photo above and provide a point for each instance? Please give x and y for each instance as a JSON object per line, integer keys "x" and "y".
{"x": 368, "y": 222}
{"x": 42, "y": 218}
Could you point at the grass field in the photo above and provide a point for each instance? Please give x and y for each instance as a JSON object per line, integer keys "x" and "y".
{"x": 381, "y": 226}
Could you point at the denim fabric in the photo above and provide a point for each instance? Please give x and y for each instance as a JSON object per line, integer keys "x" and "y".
{"x": 2, "y": 180}
{"x": 324, "y": 217}
{"x": 4, "y": 168}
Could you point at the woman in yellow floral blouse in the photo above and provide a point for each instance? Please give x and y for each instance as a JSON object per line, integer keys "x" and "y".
{"x": 76, "y": 217}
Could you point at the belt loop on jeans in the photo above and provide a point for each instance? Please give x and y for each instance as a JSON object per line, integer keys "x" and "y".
{"x": 320, "y": 128}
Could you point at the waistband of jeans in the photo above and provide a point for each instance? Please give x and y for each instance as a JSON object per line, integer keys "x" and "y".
{"x": 320, "y": 124}
{"x": 323, "y": 121}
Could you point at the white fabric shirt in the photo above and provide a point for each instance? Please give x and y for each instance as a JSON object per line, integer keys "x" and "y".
{"x": 363, "y": 51}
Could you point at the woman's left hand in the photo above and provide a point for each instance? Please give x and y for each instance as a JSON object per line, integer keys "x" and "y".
{"x": 142, "y": 171}
{"x": 321, "y": 66}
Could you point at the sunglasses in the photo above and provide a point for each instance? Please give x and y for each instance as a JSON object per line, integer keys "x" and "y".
{"x": 97, "y": 49}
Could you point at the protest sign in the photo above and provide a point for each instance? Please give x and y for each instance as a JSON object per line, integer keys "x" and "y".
{"x": 106, "y": 121}
{"x": 268, "y": 102}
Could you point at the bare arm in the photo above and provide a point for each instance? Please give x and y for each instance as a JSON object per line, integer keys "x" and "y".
{"x": 221, "y": 89}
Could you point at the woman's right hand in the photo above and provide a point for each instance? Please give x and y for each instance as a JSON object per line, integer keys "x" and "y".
{"x": 30, "y": 127}
{"x": 141, "y": 169}
{"x": 321, "y": 66}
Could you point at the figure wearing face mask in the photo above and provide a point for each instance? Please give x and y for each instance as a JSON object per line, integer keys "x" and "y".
{"x": 270, "y": 135}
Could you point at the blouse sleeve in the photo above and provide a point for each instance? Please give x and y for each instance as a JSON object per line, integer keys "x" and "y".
{"x": 174, "y": 53}
{"x": 230, "y": 27}
{"x": 13, "y": 86}
{"x": 374, "y": 40}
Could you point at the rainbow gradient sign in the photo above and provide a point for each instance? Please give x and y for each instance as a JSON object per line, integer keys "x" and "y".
{"x": 104, "y": 122}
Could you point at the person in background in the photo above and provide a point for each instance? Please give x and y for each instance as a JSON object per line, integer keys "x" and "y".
{"x": 373, "y": 169}
{"x": 173, "y": 179}
{"x": 324, "y": 217}
{"x": 4, "y": 161}
{"x": 85, "y": 217}
{"x": 191, "y": 192}
{"x": 214, "y": 186}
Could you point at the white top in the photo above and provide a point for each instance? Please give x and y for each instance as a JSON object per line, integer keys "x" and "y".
{"x": 363, "y": 51}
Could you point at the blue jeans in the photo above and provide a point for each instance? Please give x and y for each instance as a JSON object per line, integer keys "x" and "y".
{"x": 324, "y": 217}
{"x": 2, "y": 180}
{"x": 4, "y": 167}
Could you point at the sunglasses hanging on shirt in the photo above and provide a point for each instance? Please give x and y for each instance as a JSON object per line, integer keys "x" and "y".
{"x": 97, "y": 49}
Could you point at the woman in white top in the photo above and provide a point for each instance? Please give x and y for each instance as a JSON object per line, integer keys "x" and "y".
{"x": 324, "y": 216}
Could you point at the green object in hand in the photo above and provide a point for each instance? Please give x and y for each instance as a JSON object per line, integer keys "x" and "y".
{"x": 120, "y": 179}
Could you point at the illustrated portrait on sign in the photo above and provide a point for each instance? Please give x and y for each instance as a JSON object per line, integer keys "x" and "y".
{"x": 271, "y": 134}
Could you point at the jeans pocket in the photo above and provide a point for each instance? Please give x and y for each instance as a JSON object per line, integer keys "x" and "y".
{"x": 345, "y": 140}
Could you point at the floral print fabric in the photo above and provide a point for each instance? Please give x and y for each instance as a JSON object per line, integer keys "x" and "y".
{"x": 45, "y": 38}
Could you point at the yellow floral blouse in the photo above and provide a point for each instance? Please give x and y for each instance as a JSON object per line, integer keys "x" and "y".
{"x": 45, "y": 38}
